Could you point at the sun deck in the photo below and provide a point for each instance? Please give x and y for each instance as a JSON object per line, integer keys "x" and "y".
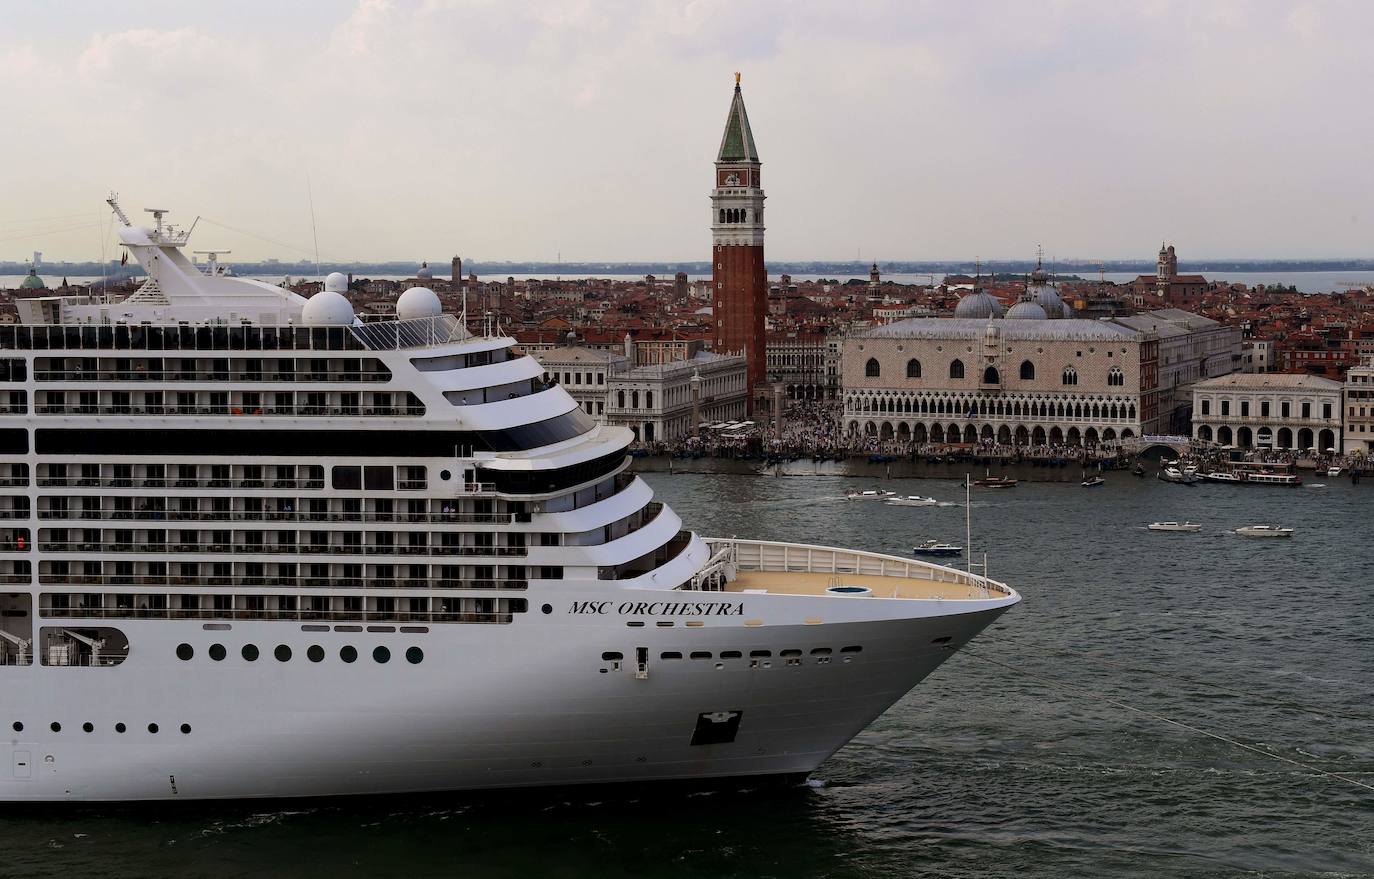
{"x": 800, "y": 569}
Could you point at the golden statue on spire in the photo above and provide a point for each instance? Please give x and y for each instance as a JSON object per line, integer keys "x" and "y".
{"x": 736, "y": 77}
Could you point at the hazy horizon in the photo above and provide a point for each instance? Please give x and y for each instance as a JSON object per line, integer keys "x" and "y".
{"x": 508, "y": 132}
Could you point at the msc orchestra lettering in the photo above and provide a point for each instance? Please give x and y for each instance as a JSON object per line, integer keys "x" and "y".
{"x": 660, "y": 608}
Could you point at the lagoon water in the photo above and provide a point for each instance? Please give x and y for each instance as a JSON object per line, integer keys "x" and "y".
{"x": 1022, "y": 756}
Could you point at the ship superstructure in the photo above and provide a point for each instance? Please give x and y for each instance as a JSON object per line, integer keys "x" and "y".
{"x": 257, "y": 547}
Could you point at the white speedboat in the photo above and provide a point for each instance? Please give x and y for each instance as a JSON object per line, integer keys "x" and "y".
{"x": 1333, "y": 471}
{"x": 1264, "y": 531}
{"x": 1181, "y": 477}
{"x": 912, "y": 500}
{"x": 936, "y": 547}
{"x": 1093, "y": 482}
{"x": 1189, "y": 527}
{"x": 871, "y": 494}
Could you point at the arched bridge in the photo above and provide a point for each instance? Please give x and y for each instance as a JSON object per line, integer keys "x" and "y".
{"x": 1139, "y": 445}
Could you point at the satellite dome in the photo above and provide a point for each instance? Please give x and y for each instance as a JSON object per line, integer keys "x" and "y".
{"x": 1047, "y": 298}
{"x": 418, "y": 302}
{"x": 979, "y": 305}
{"x": 425, "y": 271}
{"x": 1026, "y": 310}
{"x": 327, "y": 309}
{"x": 336, "y": 282}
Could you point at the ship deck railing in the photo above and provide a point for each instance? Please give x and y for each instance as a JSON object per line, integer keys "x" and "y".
{"x": 261, "y": 516}
{"x": 340, "y": 616}
{"x": 797, "y": 568}
{"x": 54, "y": 579}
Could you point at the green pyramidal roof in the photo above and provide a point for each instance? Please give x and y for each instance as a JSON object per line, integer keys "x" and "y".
{"x": 737, "y": 145}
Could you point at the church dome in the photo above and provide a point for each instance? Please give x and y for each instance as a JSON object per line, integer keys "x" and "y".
{"x": 425, "y": 271}
{"x": 1046, "y": 296}
{"x": 32, "y": 282}
{"x": 1026, "y": 310}
{"x": 978, "y": 305}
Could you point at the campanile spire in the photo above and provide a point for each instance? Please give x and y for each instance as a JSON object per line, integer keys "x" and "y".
{"x": 739, "y": 278}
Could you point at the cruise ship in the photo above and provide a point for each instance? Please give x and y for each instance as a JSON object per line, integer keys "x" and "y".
{"x": 260, "y": 547}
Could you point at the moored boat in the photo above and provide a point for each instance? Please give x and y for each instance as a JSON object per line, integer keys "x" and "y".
{"x": 937, "y": 548}
{"x": 911, "y": 500}
{"x": 1093, "y": 482}
{"x": 995, "y": 482}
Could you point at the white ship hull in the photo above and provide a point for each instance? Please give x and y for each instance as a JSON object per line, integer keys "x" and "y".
{"x": 529, "y": 704}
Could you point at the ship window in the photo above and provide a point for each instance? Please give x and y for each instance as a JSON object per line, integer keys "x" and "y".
{"x": 791, "y": 651}
{"x": 381, "y": 654}
{"x": 670, "y": 654}
{"x": 152, "y": 728}
{"x": 851, "y": 649}
{"x": 185, "y": 652}
{"x": 55, "y": 726}
{"x": 414, "y": 655}
{"x": 701, "y": 654}
{"x": 186, "y": 729}
{"x": 283, "y": 653}
{"x": 315, "y": 653}
{"x": 249, "y": 652}
{"x": 348, "y": 653}
{"x": 760, "y": 654}
{"x": 18, "y": 726}
{"x": 821, "y": 651}
{"x": 88, "y": 727}
{"x": 348, "y": 478}
{"x": 217, "y": 652}
{"x": 730, "y": 654}
{"x": 942, "y": 640}
{"x": 612, "y": 656}
{"x": 374, "y": 478}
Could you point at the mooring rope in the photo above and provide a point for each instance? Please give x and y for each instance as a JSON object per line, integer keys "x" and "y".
{"x": 1060, "y": 685}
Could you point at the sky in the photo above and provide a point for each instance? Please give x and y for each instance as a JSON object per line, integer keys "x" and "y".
{"x": 505, "y": 130}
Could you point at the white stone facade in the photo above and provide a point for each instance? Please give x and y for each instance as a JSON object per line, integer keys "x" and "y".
{"x": 1359, "y": 409}
{"x": 1268, "y": 411}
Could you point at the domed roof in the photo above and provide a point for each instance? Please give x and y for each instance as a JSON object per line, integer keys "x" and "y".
{"x": 336, "y": 282}
{"x": 425, "y": 271}
{"x": 1046, "y": 296}
{"x": 32, "y": 282}
{"x": 418, "y": 302}
{"x": 979, "y": 304}
{"x": 1026, "y": 310}
{"x": 327, "y": 309}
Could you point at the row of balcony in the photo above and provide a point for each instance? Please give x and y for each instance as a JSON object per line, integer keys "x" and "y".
{"x": 337, "y": 616}
{"x": 285, "y": 581}
{"x": 274, "y": 548}
{"x": 272, "y": 516}
{"x": 155, "y": 375}
{"x": 256, "y": 411}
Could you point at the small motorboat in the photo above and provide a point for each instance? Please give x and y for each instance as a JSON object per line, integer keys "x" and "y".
{"x": 1264, "y": 531}
{"x": 1333, "y": 471}
{"x": 995, "y": 482}
{"x": 1188, "y": 527}
{"x": 1177, "y": 476}
{"x": 936, "y": 547}
{"x": 911, "y": 500}
{"x": 1093, "y": 482}
{"x": 1138, "y": 470}
{"x": 872, "y": 494}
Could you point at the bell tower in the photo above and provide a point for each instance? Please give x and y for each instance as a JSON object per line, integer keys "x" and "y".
{"x": 739, "y": 279}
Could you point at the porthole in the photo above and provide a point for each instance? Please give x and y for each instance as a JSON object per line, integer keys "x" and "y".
{"x": 670, "y": 654}
{"x": 348, "y": 653}
{"x": 88, "y": 727}
{"x": 851, "y": 649}
{"x": 548, "y": 608}
{"x": 381, "y": 654}
{"x": 186, "y": 729}
{"x": 315, "y": 653}
{"x": 250, "y": 652}
{"x": 729, "y": 654}
{"x": 414, "y": 655}
{"x": 185, "y": 652}
{"x": 152, "y": 728}
{"x": 217, "y": 652}
{"x": 445, "y": 475}
{"x": 55, "y": 726}
{"x": 701, "y": 654}
{"x": 17, "y": 726}
{"x": 283, "y": 653}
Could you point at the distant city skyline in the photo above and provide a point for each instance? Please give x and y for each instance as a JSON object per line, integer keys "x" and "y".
{"x": 901, "y": 132}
